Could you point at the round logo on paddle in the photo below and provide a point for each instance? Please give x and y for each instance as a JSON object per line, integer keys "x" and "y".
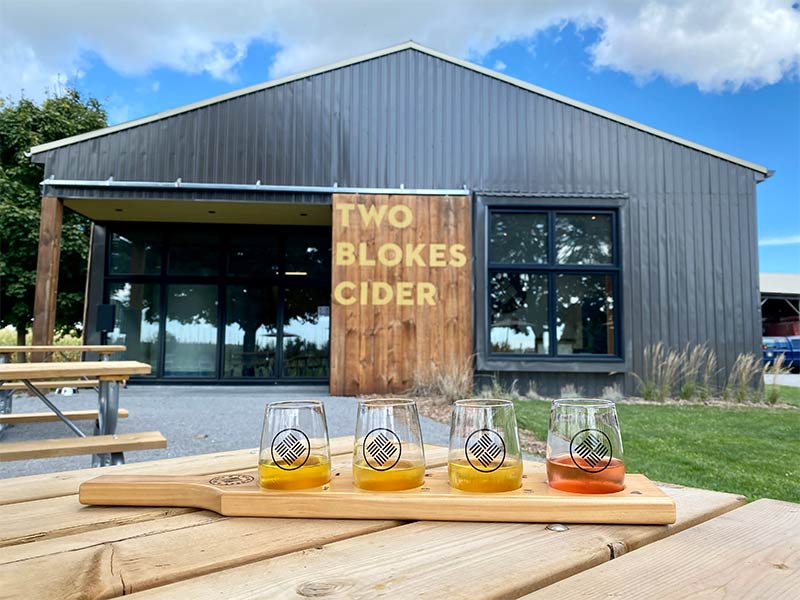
{"x": 232, "y": 479}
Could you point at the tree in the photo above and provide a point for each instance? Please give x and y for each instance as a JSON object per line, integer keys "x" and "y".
{"x": 24, "y": 124}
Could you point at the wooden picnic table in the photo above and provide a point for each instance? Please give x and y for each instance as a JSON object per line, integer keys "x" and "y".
{"x": 52, "y": 547}
{"x": 104, "y": 349}
{"x": 109, "y": 374}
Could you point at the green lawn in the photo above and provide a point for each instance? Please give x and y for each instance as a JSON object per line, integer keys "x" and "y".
{"x": 790, "y": 395}
{"x": 750, "y": 451}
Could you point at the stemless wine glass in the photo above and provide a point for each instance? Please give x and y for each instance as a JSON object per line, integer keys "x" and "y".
{"x": 584, "y": 447}
{"x": 484, "y": 452}
{"x": 295, "y": 453}
{"x": 388, "y": 452}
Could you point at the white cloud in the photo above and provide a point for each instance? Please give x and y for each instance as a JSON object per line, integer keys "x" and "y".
{"x": 715, "y": 45}
{"x": 789, "y": 240}
{"x": 499, "y": 65}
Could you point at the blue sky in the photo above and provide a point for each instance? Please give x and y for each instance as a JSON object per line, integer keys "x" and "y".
{"x": 721, "y": 74}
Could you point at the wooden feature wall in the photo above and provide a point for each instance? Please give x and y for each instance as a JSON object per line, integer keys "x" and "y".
{"x": 393, "y": 317}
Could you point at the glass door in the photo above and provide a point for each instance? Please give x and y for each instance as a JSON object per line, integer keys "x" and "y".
{"x": 190, "y": 345}
{"x": 305, "y": 333}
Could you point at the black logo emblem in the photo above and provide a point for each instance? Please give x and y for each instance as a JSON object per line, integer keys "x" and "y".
{"x": 483, "y": 449}
{"x": 290, "y": 449}
{"x": 232, "y": 479}
{"x": 594, "y": 447}
{"x": 382, "y": 449}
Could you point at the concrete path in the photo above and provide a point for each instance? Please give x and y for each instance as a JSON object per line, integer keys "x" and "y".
{"x": 194, "y": 419}
{"x": 792, "y": 380}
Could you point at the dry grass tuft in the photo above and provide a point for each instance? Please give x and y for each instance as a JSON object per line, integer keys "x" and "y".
{"x": 745, "y": 381}
{"x": 449, "y": 384}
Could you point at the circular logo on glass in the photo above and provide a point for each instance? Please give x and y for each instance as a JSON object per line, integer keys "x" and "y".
{"x": 485, "y": 450}
{"x": 591, "y": 450}
{"x": 382, "y": 449}
{"x": 290, "y": 449}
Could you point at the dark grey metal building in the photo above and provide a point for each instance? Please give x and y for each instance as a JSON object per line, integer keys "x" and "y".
{"x": 594, "y": 236}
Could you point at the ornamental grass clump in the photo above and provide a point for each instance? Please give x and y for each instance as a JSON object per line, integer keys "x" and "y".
{"x": 745, "y": 381}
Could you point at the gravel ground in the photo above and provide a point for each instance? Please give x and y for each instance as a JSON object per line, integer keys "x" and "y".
{"x": 194, "y": 419}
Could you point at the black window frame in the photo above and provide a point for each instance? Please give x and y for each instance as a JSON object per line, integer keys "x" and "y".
{"x": 221, "y": 279}
{"x": 486, "y": 360}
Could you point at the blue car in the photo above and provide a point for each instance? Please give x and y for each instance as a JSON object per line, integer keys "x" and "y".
{"x": 788, "y": 346}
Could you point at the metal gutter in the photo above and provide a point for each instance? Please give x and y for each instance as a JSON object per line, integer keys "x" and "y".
{"x": 248, "y": 187}
{"x": 391, "y": 50}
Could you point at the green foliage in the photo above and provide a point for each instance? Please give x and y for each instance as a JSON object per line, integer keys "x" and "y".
{"x": 24, "y": 124}
{"x": 738, "y": 449}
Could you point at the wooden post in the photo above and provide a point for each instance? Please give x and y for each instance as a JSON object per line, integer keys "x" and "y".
{"x": 44, "y": 304}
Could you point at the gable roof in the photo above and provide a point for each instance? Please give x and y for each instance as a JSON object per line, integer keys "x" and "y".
{"x": 377, "y": 54}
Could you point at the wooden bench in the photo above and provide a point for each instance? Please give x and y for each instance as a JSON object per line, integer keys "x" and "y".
{"x": 98, "y": 444}
{"x": 73, "y": 383}
{"x": 72, "y": 415}
{"x": 50, "y": 350}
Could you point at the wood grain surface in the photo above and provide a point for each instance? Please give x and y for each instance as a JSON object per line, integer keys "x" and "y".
{"x": 90, "y": 348}
{"x": 381, "y": 348}
{"x": 73, "y": 446}
{"x": 443, "y": 559}
{"x": 72, "y": 415}
{"x": 751, "y": 552}
{"x": 114, "y": 369}
{"x": 640, "y": 503}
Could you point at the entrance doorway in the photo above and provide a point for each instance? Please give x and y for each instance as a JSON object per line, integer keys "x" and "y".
{"x": 226, "y": 303}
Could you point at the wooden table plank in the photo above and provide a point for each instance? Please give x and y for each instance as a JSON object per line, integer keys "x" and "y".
{"x": 751, "y": 552}
{"x": 95, "y": 444}
{"x": 51, "y": 485}
{"x": 143, "y": 555}
{"x": 443, "y": 560}
{"x": 64, "y": 515}
{"x": 104, "y": 368}
{"x": 90, "y": 348}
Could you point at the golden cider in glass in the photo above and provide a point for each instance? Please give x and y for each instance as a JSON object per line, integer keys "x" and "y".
{"x": 403, "y": 476}
{"x": 314, "y": 473}
{"x": 505, "y": 478}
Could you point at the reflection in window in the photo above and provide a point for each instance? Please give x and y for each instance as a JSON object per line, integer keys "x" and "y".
{"x": 308, "y": 254}
{"x": 136, "y": 321}
{"x": 518, "y": 238}
{"x": 583, "y": 239}
{"x": 518, "y": 313}
{"x": 306, "y": 332}
{"x": 254, "y": 255}
{"x": 191, "y": 332}
{"x": 585, "y": 320}
{"x": 250, "y": 331}
{"x": 194, "y": 253}
{"x": 135, "y": 252}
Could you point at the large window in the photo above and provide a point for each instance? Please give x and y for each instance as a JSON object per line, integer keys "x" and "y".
{"x": 222, "y": 302}
{"x": 553, "y": 284}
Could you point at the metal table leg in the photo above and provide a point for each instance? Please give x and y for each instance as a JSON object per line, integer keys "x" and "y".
{"x": 35, "y": 391}
{"x": 101, "y": 425}
{"x": 112, "y": 412}
{"x": 6, "y": 398}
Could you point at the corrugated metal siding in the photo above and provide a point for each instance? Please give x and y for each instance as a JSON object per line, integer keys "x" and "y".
{"x": 409, "y": 118}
